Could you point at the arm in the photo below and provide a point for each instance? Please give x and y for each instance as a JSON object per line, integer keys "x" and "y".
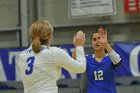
{"x": 72, "y": 65}
{"x": 115, "y": 58}
{"x": 74, "y": 54}
{"x": 76, "y": 43}
{"x": 112, "y": 54}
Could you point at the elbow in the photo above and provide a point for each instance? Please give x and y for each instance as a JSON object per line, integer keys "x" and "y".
{"x": 79, "y": 70}
{"x": 82, "y": 70}
{"x": 118, "y": 64}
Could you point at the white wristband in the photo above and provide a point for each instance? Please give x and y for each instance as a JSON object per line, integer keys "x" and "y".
{"x": 114, "y": 57}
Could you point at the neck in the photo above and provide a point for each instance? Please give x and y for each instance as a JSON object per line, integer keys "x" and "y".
{"x": 100, "y": 54}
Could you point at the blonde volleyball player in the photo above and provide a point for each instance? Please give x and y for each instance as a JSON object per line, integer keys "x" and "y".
{"x": 40, "y": 65}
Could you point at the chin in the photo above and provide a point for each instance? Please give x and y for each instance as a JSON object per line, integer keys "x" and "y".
{"x": 98, "y": 49}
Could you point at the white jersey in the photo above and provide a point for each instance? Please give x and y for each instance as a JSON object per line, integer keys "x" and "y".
{"x": 40, "y": 72}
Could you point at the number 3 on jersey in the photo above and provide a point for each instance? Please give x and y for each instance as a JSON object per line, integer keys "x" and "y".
{"x": 98, "y": 75}
{"x": 30, "y": 62}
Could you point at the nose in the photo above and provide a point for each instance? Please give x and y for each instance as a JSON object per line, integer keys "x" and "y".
{"x": 97, "y": 40}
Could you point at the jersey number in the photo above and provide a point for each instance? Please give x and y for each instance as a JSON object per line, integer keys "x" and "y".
{"x": 30, "y": 62}
{"x": 98, "y": 75}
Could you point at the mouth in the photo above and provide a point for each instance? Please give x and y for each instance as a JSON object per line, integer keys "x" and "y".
{"x": 97, "y": 45}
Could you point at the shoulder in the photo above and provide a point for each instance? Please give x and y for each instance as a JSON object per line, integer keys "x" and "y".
{"x": 107, "y": 57}
{"x": 26, "y": 51}
{"x": 56, "y": 50}
{"x": 89, "y": 56}
{"x": 58, "y": 53}
{"x": 50, "y": 48}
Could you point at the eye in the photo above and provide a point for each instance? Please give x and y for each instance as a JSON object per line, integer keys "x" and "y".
{"x": 98, "y": 37}
{"x": 94, "y": 39}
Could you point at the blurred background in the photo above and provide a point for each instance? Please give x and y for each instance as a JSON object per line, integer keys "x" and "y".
{"x": 121, "y": 18}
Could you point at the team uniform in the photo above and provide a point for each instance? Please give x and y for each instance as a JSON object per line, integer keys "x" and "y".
{"x": 40, "y": 72}
{"x": 100, "y": 75}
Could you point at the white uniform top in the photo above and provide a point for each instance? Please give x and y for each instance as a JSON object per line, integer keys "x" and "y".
{"x": 40, "y": 72}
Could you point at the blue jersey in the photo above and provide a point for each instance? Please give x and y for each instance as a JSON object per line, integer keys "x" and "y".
{"x": 100, "y": 75}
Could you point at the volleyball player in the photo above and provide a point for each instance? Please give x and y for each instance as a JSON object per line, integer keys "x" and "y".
{"x": 101, "y": 65}
{"x": 40, "y": 65}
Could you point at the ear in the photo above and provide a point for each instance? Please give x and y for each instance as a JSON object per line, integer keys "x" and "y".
{"x": 105, "y": 31}
{"x": 49, "y": 41}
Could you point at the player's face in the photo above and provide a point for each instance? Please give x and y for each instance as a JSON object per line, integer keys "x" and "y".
{"x": 97, "y": 45}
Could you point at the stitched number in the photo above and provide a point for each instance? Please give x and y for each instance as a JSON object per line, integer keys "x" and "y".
{"x": 98, "y": 75}
{"x": 30, "y": 62}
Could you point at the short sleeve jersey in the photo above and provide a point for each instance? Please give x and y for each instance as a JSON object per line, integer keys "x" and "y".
{"x": 100, "y": 75}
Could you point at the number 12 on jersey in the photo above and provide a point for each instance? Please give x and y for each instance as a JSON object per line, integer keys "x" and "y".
{"x": 98, "y": 75}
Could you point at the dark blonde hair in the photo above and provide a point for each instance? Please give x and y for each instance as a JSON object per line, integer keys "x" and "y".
{"x": 40, "y": 31}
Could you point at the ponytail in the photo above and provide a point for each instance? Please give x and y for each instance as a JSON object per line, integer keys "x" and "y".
{"x": 36, "y": 45}
{"x": 40, "y": 34}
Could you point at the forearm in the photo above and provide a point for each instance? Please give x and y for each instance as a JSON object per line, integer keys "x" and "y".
{"x": 74, "y": 53}
{"x": 114, "y": 57}
{"x": 80, "y": 53}
{"x": 72, "y": 65}
{"x": 108, "y": 48}
{"x": 112, "y": 54}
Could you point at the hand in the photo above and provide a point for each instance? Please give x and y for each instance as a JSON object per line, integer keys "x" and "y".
{"x": 103, "y": 35}
{"x": 79, "y": 39}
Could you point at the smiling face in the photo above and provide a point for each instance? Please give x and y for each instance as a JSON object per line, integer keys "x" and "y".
{"x": 97, "y": 45}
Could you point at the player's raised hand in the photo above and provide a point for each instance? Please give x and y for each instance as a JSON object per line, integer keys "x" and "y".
{"x": 79, "y": 39}
{"x": 103, "y": 35}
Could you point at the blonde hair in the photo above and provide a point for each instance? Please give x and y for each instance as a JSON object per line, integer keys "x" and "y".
{"x": 40, "y": 31}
